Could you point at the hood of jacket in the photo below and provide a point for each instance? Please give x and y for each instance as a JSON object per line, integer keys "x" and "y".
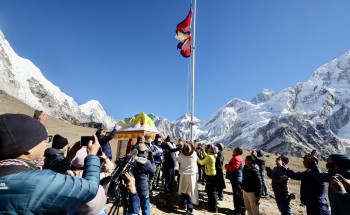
{"x": 52, "y": 152}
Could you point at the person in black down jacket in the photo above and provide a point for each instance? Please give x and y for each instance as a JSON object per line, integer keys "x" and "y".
{"x": 55, "y": 155}
{"x": 220, "y": 180}
{"x": 260, "y": 161}
{"x": 251, "y": 186}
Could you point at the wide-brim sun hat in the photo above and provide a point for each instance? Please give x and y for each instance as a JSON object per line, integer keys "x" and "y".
{"x": 187, "y": 149}
{"x": 220, "y": 146}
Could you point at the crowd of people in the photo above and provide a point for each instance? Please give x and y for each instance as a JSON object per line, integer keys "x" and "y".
{"x": 67, "y": 181}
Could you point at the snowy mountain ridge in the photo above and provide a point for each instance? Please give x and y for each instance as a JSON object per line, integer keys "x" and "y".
{"x": 314, "y": 114}
{"x": 21, "y": 79}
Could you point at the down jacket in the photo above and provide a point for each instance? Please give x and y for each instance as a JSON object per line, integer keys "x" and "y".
{"x": 209, "y": 163}
{"x": 104, "y": 142}
{"x": 43, "y": 191}
{"x": 343, "y": 162}
{"x": 141, "y": 172}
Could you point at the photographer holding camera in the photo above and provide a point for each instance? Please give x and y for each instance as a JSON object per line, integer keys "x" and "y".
{"x": 26, "y": 190}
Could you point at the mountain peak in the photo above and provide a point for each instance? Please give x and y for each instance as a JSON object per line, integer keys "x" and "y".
{"x": 263, "y": 96}
{"x": 186, "y": 118}
{"x": 91, "y": 106}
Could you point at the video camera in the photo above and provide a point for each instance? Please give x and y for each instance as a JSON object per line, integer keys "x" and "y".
{"x": 116, "y": 191}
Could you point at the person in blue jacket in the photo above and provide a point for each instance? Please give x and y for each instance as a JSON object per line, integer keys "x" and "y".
{"x": 336, "y": 164}
{"x": 312, "y": 189}
{"x": 103, "y": 139}
{"x": 24, "y": 189}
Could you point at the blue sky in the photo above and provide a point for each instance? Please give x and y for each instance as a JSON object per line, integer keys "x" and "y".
{"x": 123, "y": 53}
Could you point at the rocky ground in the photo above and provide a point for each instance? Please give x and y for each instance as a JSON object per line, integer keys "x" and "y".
{"x": 267, "y": 205}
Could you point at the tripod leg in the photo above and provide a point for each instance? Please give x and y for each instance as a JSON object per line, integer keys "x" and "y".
{"x": 115, "y": 208}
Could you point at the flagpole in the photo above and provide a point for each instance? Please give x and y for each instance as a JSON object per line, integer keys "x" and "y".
{"x": 193, "y": 66}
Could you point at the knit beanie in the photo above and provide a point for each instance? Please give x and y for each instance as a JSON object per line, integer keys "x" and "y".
{"x": 18, "y": 134}
{"x": 59, "y": 142}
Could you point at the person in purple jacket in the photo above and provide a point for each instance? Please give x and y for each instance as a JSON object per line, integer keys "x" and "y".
{"x": 312, "y": 189}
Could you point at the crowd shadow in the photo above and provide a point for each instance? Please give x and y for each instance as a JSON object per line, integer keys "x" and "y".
{"x": 166, "y": 202}
{"x": 170, "y": 202}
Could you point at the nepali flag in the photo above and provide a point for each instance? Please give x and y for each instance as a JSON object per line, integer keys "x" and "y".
{"x": 183, "y": 33}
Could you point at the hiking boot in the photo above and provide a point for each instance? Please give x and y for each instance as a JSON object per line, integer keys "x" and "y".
{"x": 182, "y": 207}
{"x": 188, "y": 212}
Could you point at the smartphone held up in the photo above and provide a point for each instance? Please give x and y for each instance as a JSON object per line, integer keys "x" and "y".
{"x": 84, "y": 140}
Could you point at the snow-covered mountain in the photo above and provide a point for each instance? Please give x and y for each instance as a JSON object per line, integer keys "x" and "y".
{"x": 312, "y": 115}
{"x": 179, "y": 129}
{"x": 21, "y": 79}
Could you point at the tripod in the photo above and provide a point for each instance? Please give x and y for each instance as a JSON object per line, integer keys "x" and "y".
{"x": 115, "y": 189}
{"x": 121, "y": 199}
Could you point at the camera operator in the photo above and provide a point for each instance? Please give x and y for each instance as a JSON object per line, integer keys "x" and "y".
{"x": 141, "y": 171}
{"x": 26, "y": 190}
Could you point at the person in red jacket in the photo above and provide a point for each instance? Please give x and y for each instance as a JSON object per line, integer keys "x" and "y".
{"x": 234, "y": 174}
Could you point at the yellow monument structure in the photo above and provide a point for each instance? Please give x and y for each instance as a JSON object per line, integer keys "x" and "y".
{"x": 139, "y": 125}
